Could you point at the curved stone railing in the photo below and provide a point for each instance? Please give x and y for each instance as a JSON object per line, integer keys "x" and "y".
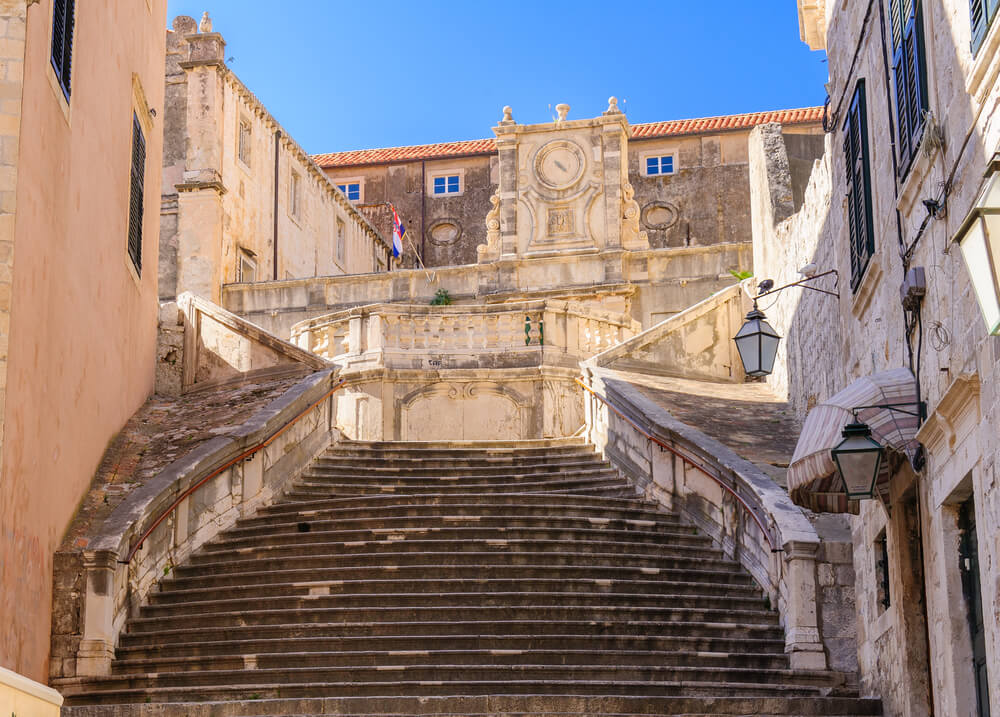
{"x": 726, "y": 496}
{"x": 517, "y": 334}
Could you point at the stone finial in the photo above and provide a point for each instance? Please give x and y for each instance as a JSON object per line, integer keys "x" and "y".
{"x": 184, "y": 25}
{"x": 206, "y": 23}
{"x": 508, "y": 116}
{"x": 612, "y": 107}
{"x": 562, "y": 109}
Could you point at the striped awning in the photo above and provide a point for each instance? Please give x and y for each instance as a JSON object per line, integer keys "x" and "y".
{"x": 813, "y": 481}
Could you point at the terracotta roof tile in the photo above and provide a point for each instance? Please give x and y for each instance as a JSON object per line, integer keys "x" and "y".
{"x": 387, "y": 155}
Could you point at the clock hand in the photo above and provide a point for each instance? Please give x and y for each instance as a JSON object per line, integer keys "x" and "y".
{"x": 559, "y": 164}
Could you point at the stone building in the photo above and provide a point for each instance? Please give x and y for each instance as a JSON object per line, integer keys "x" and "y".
{"x": 81, "y": 135}
{"x": 688, "y": 176}
{"x": 242, "y": 201}
{"x": 911, "y": 134}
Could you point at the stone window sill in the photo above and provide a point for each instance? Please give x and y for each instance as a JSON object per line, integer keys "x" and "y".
{"x": 985, "y": 64}
{"x": 866, "y": 289}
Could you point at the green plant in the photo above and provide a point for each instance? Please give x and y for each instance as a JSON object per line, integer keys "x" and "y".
{"x": 741, "y": 275}
{"x": 441, "y": 298}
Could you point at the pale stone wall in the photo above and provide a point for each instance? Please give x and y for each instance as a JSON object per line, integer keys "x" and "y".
{"x": 917, "y": 651}
{"x": 218, "y": 208}
{"x": 21, "y": 696}
{"x": 76, "y": 311}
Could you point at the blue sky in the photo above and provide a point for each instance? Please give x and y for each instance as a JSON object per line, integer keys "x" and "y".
{"x": 345, "y": 75}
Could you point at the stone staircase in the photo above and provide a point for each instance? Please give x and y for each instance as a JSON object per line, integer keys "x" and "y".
{"x": 495, "y": 578}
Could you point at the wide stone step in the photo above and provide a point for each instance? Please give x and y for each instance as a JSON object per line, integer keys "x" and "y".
{"x": 294, "y": 539}
{"x": 442, "y": 479}
{"x": 620, "y": 624}
{"x": 395, "y": 556}
{"x": 426, "y": 657}
{"x": 715, "y": 609}
{"x": 723, "y": 579}
{"x": 450, "y": 463}
{"x": 562, "y": 705}
{"x": 419, "y": 467}
{"x": 254, "y": 673}
{"x": 259, "y": 689}
{"x": 464, "y": 552}
{"x": 318, "y": 612}
{"x": 234, "y": 642}
{"x": 748, "y": 596}
{"x": 435, "y": 542}
{"x": 312, "y": 489}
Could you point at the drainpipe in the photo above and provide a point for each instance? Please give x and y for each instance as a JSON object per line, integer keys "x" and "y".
{"x": 423, "y": 202}
{"x": 277, "y": 147}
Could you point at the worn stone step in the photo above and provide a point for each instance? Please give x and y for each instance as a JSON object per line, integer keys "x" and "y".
{"x": 715, "y": 610}
{"x": 394, "y": 556}
{"x": 503, "y": 625}
{"x": 295, "y": 539}
{"x": 421, "y": 460}
{"x": 723, "y": 579}
{"x": 254, "y": 673}
{"x": 494, "y": 705}
{"x": 496, "y": 656}
{"x": 434, "y": 687}
{"x": 465, "y": 468}
{"x": 746, "y": 596}
{"x": 310, "y": 489}
{"x": 436, "y": 542}
{"x": 472, "y": 483}
{"x": 317, "y": 612}
{"x": 233, "y": 641}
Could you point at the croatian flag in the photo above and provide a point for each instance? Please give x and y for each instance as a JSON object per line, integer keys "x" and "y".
{"x": 398, "y": 230}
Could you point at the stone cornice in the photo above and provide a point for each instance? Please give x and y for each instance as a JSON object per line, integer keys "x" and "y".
{"x": 954, "y": 417}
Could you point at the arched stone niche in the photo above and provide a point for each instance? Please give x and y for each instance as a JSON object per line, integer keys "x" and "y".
{"x": 660, "y": 215}
{"x": 472, "y": 411}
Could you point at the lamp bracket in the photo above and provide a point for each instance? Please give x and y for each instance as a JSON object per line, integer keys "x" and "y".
{"x": 920, "y": 413}
{"x": 804, "y": 285}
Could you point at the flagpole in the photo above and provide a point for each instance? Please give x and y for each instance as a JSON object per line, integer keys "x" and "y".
{"x": 431, "y": 275}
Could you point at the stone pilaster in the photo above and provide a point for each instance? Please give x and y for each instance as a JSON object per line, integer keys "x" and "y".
{"x": 97, "y": 646}
{"x": 802, "y": 639}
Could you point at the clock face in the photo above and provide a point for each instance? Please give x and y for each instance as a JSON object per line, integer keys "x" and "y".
{"x": 559, "y": 164}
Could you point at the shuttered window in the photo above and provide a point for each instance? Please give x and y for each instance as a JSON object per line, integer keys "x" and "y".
{"x": 982, "y": 14}
{"x": 62, "y": 41}
{"x": 135, "y": 194}
{"x": 909, "y": 77}
{"x": 859, "y": 195}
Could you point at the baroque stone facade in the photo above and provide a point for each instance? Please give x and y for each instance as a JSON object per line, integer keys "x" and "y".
{"x": 922, "y": 644}
{"x": 700, "y": 199}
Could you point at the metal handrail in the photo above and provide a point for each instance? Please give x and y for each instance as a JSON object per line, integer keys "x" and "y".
{"x": 687, "y": 460}
{"x": 242, "y": 456}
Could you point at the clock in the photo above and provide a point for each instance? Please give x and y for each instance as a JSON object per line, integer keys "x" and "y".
{"x": 559, "y": 164}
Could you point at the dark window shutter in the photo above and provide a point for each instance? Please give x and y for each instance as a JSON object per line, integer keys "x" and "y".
{"x": 908, "y": 78}
{"x": 980, "y": 16}
{"x": 63, "y": 15}
{"x": 135, "y": 194}
{"x": 859, "y": 214}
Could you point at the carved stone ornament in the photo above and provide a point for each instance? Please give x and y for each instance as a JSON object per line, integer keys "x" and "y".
{"x": 559, "y": 164}
{"x": 562, "y": 110}
{"x": 632, "y": 236}
{"x": 206, "y": 23}
{"x": 612, "y": 107}
{"x": 508, "y": 116}
{"x": 490, "y": 251}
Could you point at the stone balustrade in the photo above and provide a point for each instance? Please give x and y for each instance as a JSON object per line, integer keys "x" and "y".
{"x": 529, "y": 333}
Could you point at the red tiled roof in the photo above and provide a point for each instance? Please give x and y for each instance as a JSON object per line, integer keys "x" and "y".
{"x": 387, "y": 155}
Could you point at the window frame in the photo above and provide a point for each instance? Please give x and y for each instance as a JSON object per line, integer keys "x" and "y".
{"x": 344, "y": 185}
{"x": 659, "y": 158}
{"x": 977, "y": 35}
{"x": 245, "y": 256}
{"x": 445, "y": 174}
{"x": 909, "y": 78}
{"x": 858, "y": 167}
{"x": 244, "y": 146}
{"x": 137, "y": 190}
{"x": 63, "y": 66}
{"x": 295, "y": 194}
{"x": 340, "y": 239}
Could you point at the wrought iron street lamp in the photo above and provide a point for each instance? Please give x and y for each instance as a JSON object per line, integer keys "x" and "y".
{"x": 757, "y": 342}
{"x": 858, "y": 458}
{"x": 979, "y": 239}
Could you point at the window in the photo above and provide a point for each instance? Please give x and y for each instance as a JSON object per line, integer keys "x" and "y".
{"x": 972, "y": 587}
{"x": 882, "y": 570}
{"x": 244, "y": 142}
{"x": 982, "y": 13}
{"x": 352, "y": 190}
{"x": 909, "y": 77}
{"x": 294, "y": 192}
{"x": 341, "y": 232}
{"x": 62, "y": 42}
{"x": 663, "y": 164}
{"x": 859, "y": 193}
{"x": 246, "y": 267}
{"x": 136, "y": 187}
{"x": 448, "y": 184}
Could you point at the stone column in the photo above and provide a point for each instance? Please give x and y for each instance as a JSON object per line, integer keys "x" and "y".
{"x": 802, "y": 639}
{"x": 507, "y": 152}
{"x": 97, "y": 646}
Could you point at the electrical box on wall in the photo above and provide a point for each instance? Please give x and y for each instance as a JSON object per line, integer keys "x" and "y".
{"x": 914, "y": 287}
